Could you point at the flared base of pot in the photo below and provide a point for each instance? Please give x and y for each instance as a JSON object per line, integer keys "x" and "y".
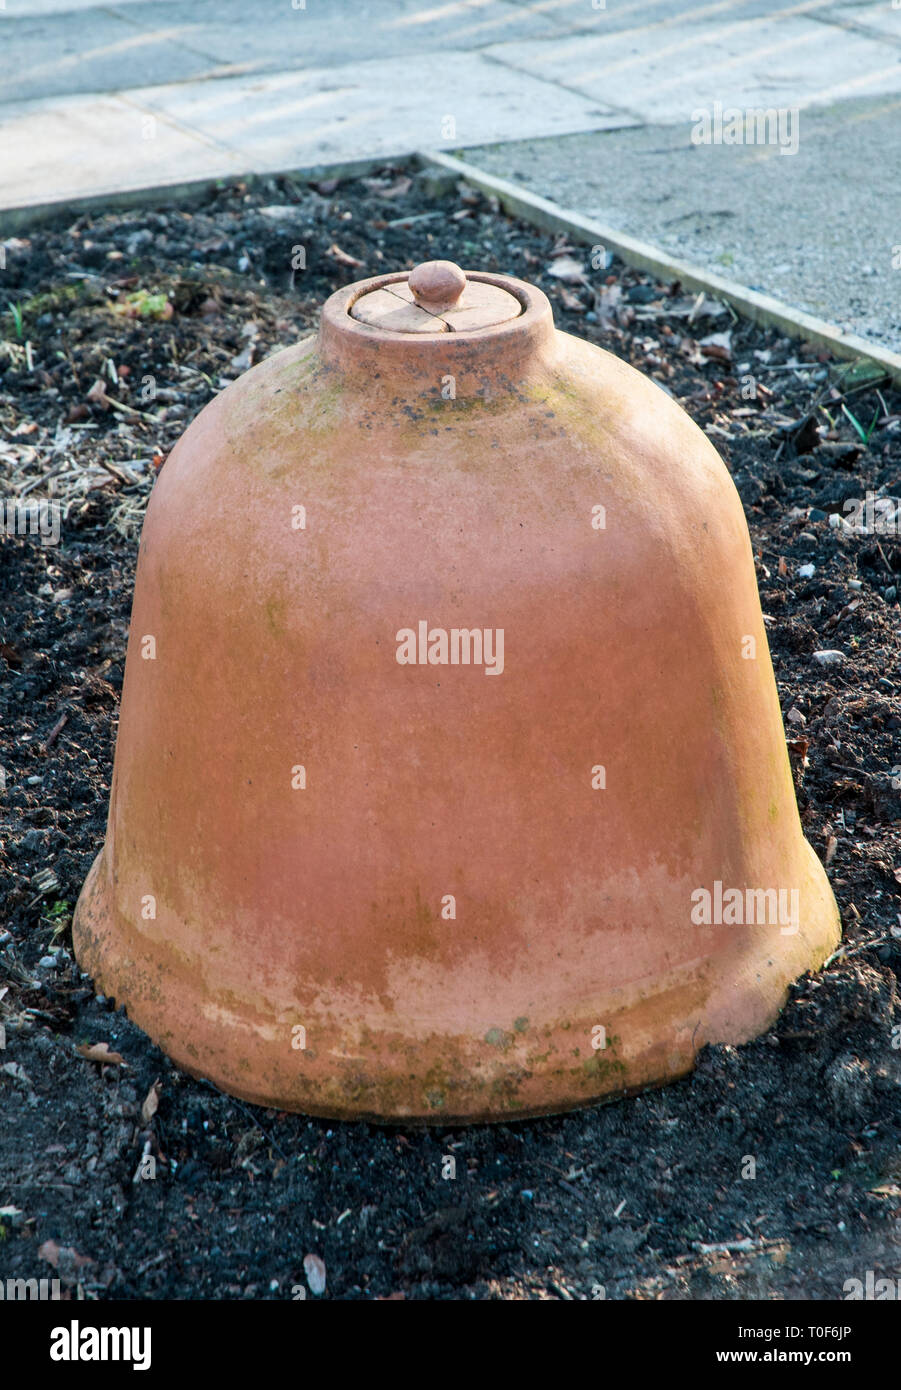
{"x": 609, "y": 1044}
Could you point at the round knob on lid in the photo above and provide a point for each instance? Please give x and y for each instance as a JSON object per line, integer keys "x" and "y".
{"x": 437, "y": 285}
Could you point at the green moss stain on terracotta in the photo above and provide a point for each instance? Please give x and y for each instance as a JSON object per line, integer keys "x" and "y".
{"x": 275, "y": 616}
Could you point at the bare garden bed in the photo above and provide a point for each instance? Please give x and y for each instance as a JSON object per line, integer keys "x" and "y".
{"x": 119, "y": 329}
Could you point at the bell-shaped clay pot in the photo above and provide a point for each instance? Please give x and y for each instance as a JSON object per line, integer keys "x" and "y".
{"x": 451, "y": 782}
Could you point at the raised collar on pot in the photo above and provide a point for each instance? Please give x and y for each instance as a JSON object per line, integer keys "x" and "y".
{"x": 438, "y": 319}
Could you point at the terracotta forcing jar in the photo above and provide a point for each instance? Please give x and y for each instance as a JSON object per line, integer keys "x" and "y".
{"x": 451, "y": 781}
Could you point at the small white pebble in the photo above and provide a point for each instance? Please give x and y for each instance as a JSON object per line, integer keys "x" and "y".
{"x": 314, "y": 1269}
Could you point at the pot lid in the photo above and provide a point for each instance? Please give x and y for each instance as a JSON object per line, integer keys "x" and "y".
{"x": 436, "y": 297}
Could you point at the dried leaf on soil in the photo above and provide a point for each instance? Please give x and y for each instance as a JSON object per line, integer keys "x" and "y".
{"x": 99, "y": 1052}
{"x": 64, "y": 1258}
{"x": 151, "y": 1103}
{"x": 568, "y": 269}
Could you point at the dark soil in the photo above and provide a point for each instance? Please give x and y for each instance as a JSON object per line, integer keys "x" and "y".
{"x": 627, "y": 1196}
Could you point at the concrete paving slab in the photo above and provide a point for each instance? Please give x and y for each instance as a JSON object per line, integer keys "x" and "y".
{"x": 78, "y": 147}
{"x": 61, "y": 149}
{"x": 880, "y": 19}
{"x": 787, "y": 61}
{"x": 373, "y": 108}
{"x": 647, "y": 18}
{"x": 95, "y": 51}
{"x": 27, "y": 9}
{"x": 785, "y": 226}
{"x": 344, "y": 31}
{"x": 102, "y": 49}
{"x": 643, "y": 17}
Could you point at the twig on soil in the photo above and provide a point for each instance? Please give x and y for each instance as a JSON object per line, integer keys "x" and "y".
{"x": 56, "y": 731}
{"x": 884, "y": 560}
{"x": 416, "y": 217}
{"x": 113, "y": 471}
{"x": 732, "y": 1247}
{"x": 148, "y": 1264}
{"x": 130, "y": 410}
{"x": 843, "y": 954}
